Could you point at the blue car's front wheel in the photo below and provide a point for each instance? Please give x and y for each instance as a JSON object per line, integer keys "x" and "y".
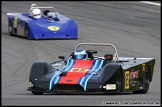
{"x": 26, "y": 31}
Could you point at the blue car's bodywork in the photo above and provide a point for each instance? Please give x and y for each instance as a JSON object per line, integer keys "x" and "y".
{"x": 43, "y": 28}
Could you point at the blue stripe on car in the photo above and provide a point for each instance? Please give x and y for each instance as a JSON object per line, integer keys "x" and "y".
{"x": 92, "y": 70}
{"x": 70, "y": 66}
{"x": 66, "y": 70}
{"x": 95, "y": 70}
{"x": 58, "y": 73}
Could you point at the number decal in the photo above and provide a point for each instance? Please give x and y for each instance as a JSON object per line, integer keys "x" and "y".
{"x": 79, "y": 70}
{"x": 53, "y": 28}
{"x": 126, "y": 79}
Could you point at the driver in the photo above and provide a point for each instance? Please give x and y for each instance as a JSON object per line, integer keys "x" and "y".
{"x": 80, "y": 54}
{"x": 35, "y": 12}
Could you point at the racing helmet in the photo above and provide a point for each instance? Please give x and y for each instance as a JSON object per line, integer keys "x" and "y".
{"x": 80, "y": 54}
{"x": 36, "y": 13}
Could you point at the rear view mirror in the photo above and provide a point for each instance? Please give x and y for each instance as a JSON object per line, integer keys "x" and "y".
{"x": 61, "y": 57}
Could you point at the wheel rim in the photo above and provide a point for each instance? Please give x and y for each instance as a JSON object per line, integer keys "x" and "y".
{"x": 27, "y": 31}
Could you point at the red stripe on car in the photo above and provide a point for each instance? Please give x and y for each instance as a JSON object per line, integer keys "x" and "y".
{"x": 80, "y": 68}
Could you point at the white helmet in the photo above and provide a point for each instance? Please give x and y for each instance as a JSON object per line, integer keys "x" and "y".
{"x": 36, "y": 13}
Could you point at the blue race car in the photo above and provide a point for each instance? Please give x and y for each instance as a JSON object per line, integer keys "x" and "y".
{"x": 51, "y": 25}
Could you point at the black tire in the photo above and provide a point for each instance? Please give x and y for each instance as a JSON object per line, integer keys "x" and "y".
{"x": 10, "y": 28}
{"x": 26, "y": 31}
{"x": 119, "y": 82}
{"x": 146, "y": 83}
{"x": 37, "y": 93}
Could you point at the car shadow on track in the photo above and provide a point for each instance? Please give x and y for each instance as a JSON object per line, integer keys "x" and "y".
{"x": 49, "y": 94}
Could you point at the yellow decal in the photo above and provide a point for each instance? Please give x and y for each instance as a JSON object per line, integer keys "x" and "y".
{"x": 79, "y": 70}
{"x": 143, "y": 68}
{"x": 15, "y": 22}
{"x": 53, "y": 28}
{"x": 126, "y": 79}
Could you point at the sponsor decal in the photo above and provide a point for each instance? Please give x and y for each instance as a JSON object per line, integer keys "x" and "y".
{"x": 110, "y": 86}
{"x": 143, "y": 68}
{"x": 126, "y": 79}
{"x": 133, "y": 74}
{"x": 53, "y": 28}
{"x": 140, "y": 87}
{"x": 15, "y": 22}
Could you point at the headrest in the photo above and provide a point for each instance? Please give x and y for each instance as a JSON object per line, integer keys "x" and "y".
{"x": 108, "y": 56}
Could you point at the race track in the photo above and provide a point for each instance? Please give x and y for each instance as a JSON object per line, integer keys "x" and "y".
{"x": 133, "y": 27}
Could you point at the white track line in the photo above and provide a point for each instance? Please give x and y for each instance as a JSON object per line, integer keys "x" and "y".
{"x": 148, "y": 2}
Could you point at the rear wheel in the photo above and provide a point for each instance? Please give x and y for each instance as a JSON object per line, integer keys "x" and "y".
{"x": 146, "y": 83}
{"x": 10, "y": 28}
{"x": 37, "y": 93}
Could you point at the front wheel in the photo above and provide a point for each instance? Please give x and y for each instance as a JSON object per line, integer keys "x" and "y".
{"x": 37, "y": 93}
{"x": 26, "y": 32}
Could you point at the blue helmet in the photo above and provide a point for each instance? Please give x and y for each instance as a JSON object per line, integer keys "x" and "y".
{"x": 80, "y": 54}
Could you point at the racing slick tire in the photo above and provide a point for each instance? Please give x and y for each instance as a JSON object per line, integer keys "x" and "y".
{"x": 26, "y": 31}
{"x": 10, "y": 28}
{"x": 146, "y": 83}
{"x": 37, "y": 93}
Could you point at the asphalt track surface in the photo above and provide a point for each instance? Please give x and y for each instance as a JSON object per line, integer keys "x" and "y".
{"x": 133, "y": 27}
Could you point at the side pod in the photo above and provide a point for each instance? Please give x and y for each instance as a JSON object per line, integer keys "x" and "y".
{"x": 38, "y": 69}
